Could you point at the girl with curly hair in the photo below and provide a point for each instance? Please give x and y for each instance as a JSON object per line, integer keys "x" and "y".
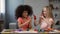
{"x": 23, "y": 13}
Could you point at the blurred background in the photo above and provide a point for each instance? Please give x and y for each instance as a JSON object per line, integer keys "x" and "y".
{"x": 8, "y": 7}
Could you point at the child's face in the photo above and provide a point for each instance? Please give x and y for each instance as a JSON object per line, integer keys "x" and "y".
{"x": 44, "y": 11}
{"x": 25, "y": 14}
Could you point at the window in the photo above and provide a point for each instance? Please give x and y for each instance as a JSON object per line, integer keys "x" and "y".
{"x": 2, "y": 9}
{"x": 2, "y": 6}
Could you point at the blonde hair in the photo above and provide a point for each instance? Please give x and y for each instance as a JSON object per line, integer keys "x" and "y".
{"x": 49, "y": 12}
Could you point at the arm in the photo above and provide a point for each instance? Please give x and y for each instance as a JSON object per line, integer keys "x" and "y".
{"x": 21, "y": 25}
{"x": 30, "y": 26}
{"x": 37, "y": 23}
{"x": 52, "y": 22}
{"x": 40, "y": 19}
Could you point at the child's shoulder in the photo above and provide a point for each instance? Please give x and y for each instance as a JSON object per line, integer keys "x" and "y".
{"x": 19, "y": 19}
{"x": 51, "y": 19}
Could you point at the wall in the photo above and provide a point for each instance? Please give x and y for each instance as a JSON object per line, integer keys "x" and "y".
{"x": 0, "y": 4}
{"x": 56, "y": 4}
{"x": 11, "y": 5}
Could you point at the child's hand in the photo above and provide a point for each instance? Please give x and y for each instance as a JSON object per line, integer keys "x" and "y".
{"x": 29, "y": 21}
{"x": 42, "y": 17}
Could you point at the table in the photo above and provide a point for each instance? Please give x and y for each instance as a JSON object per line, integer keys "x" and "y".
{"x": 14, "y": 31}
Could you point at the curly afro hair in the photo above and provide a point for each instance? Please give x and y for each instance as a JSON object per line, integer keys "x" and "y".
{"x": 21, "y": 8}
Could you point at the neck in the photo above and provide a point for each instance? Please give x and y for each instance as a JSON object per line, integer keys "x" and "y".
{"x": 24, "y": 17}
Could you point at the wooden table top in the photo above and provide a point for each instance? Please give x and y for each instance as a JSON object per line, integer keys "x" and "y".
{"x": 30, "y": 31}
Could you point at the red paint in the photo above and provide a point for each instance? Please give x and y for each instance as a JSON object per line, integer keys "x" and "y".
{"x": 35, "y": 30}
{"x": 34, "y": 17}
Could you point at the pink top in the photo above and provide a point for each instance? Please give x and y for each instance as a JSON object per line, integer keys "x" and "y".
{"x": 25, "y": 27}
{"x": 45, "y": 25}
